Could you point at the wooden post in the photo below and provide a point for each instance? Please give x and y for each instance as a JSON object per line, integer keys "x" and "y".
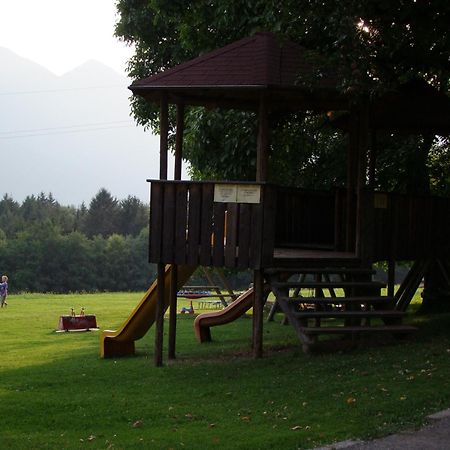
{"x": 179, "y": 142}
{"x": 159, "y": 319}
{"x": 363, "y": 145}
{"x": 262, "y": 149}
{"x": 352, "y": 156}
{"x": 163, "y": 137}
{"x": 391, "y": 278}
{"x": 258, "y": 305}
{"x": 173, "y": 311}
{"x": 373, "y": 150}
{"x": 174, "y": 272}
{"x": 262, "y": 156}
{"x": 364, "y": 201}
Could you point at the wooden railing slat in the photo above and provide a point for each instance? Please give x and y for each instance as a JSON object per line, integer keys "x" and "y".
{"x": 181, "y": 223}
{"x": 268, "y": 234}
{"x": 231, "y": 234}
{"x": 244, "y": 235}
{"x": 206, "y": 224}
{"x": 167, "y": 252}
{"x": 156, "y": 201}
{"x": 218, "y": 258}
{"x": 194, "y": 224}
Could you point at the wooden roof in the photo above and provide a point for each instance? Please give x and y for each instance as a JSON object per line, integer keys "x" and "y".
{"x": 414, "y": 107}
{"x": 293, "y": 79}
{"x": 235, "y": 76}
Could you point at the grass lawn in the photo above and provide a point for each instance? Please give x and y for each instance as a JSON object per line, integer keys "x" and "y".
{"x": 56, "y": 393}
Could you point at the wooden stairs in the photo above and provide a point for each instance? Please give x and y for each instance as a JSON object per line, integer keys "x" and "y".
{"x": 354, "y": 306}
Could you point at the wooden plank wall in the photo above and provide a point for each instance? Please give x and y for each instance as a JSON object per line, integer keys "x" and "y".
{"x": 411, "y": 227}
{"x": 188, "y": 227}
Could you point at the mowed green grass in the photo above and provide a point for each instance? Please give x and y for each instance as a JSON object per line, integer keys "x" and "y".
{"x": 56, "y": 393}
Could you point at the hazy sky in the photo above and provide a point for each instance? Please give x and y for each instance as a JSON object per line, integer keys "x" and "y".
{"x": 62, "y": 34}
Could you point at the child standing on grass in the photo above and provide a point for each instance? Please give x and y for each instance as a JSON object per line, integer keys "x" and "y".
{"x": 3, "y": 291}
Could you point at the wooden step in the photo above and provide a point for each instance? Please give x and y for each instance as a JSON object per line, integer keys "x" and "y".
{"x": 327, "y": 284}
{"x": 337, "y": 300}
{"x": 322, "y": 270}
{"x": 347, "y": 314}
{"x": 347, "y": 330}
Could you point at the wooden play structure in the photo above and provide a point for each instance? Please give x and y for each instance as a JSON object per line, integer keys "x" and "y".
{"x": 332, "y": 238}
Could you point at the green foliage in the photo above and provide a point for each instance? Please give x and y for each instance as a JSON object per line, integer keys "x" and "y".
{"x": 102, "y": 215}
{"x": 439, "y": 166}
{"x": 44, "y": 248}
{"x": 373, "y": 46}
{"x": 227, "y": 149}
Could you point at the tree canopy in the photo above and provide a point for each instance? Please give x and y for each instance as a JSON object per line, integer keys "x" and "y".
{"x": 376, "y": 45}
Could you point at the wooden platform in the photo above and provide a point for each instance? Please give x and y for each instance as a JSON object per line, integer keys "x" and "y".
{"x": 283, "y": 257}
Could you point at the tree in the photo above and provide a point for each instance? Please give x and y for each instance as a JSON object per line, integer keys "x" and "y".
{"x": 376, "y": 45}
{"x": 10, "y": 220}
{"x": 101, "y": 216}
{"x": 132, "y": 216}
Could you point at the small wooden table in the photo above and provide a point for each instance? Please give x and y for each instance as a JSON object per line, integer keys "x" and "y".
{"x": 77, "y": 323}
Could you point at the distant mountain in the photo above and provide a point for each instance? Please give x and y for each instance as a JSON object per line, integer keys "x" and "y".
{"x": 70, "y": 135}
{"x": 15, "y": 72}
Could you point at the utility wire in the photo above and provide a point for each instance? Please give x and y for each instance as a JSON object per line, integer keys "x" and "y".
{"x": 56, "y": 132}
{"x": 46, "y": 91}
{"x": 64, "y": 127}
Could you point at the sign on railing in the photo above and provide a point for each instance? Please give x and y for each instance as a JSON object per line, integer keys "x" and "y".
{"x": 237, "y": 193}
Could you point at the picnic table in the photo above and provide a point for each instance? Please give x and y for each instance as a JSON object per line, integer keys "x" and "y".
{"x": 199, "y": 293}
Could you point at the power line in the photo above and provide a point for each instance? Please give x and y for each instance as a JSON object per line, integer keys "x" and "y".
{"x": 46, "y": 91}
{"x": 57, "y": 132}
{"x": 64, "y": 127}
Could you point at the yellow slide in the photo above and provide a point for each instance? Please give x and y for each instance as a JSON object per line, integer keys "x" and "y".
{"x": 121, "y": 342}
{"x": 233, "y": 311}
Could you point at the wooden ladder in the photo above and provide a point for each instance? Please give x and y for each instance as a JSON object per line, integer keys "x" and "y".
{"x": 362, "y": 310}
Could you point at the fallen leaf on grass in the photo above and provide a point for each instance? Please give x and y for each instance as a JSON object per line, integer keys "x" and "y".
{"x": 297, "y": 427}
{"x": 91, "y": 438}
{"x": 351, "y": 400}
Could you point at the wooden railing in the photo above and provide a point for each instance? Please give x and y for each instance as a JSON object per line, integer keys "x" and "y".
{"x": 190, "y": 225}
{"x": 408, "y": 227}
{"x": 195, "y": 223}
